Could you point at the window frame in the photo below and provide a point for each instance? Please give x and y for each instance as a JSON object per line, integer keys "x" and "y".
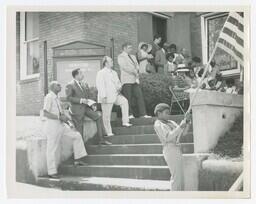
{"x": 204, "y": 34}
{"x": 23, "y": 50}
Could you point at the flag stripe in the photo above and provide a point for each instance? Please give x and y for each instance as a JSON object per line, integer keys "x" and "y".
{"x": 236, "y": 23}
{"x": 229, "y": 51}
{"x": 241, "y": 14}
{"x": 231, "y": 41}
{"x": 233, "y": 35}
{"x": 235, "y": 29}
{"x": 231, "y": 47}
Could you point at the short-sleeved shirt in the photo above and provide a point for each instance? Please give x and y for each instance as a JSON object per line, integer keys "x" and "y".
{"x": 167, "y": 132}
{"x": 52, "y": 103}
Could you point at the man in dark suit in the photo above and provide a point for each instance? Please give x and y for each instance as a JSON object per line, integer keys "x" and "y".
{"x": 77, "y": 94}
{"x": 160, "y": 58}
{"x": 155, "y": 46}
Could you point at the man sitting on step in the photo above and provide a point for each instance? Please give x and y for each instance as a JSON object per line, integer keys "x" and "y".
{"x": 56, "y": 126}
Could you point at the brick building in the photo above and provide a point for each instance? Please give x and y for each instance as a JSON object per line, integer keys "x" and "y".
{"x": 49, "y": 44}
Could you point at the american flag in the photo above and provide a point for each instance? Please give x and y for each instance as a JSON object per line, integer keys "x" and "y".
{"x": 231, "y": 38}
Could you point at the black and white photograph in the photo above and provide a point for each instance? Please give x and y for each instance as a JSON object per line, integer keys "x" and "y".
{"x": 138, "y": 101}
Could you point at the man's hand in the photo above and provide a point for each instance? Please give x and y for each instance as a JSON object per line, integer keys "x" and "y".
{"x": 183, "y": 124}
{"x": 63, "y": 118}
{"x": 83, "y": 101}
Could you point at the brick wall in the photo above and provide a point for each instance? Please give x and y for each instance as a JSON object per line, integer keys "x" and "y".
{"x": 63, "y": 27}
{"x": 195, "y": 35}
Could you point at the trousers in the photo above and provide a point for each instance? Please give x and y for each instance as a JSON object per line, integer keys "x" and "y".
{"x": 107, "y": 109}
{"x": 54, "y": 131}
{"x": 131, "y": 91}
{"x": 174, "y": 159}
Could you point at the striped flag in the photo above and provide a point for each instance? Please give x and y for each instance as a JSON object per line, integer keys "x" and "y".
{"x": 231, "y": 38}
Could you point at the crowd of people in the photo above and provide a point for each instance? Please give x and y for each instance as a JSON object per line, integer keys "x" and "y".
{"x": 151, "y": 59}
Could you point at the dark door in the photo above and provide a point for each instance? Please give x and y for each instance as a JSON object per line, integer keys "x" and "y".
{"x": 159, "y": 27}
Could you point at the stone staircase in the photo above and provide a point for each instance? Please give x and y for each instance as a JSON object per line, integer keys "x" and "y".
{"x": 134, "y": 161}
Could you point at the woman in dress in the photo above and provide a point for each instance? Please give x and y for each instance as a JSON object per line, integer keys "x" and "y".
{"x": 169, "y": 132}
{"x": 143, "y": 57}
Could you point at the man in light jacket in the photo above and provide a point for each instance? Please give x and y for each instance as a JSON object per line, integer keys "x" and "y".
{"x": 130, "y": 79}
{"x": 109, "y": 88}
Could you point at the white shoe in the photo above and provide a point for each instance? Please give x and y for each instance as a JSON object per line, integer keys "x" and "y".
{"x": 109, "y": 135}
{"x": 127, "y": 125}
{"x": 147, "y": 116}
{"x": 131, "y": 116}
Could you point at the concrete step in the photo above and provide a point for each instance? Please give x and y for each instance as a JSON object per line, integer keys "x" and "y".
{"x": 144, "y": 139}
{"x": 73, "y": 183}
{"x": 144, "y": 121}
{"x": 135, "y": 130}
{"x": 117, "y": 171}
{"x": 135, "y": 149}
{"x": 142, "y": 129}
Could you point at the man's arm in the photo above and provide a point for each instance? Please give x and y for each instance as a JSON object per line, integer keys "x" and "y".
{"x": 123, "y": 66}
{"x": 69, "y": 94}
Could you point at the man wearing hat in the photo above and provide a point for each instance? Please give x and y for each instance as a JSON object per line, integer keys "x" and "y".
{"x": 160, "y": 58}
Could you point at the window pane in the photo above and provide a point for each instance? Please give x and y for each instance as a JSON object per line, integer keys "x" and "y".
{"x": 223, "y": 59}
{"x": 33, "y": 57}
{"x": 32, "y": 25}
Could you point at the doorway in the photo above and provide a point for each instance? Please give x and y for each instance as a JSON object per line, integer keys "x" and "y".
{"x": 160, "y": 28}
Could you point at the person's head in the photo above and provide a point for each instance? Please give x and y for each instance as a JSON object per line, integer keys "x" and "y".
{"x": 127, "y": 47}
{"x": 162, "y": 111}
{"x": 170, "y": 57}
{"x": 144, "y": 47}
{"x": 211, "y": 82}
{"x": 218, "y": 77}
{"x": 201, "y": 72}
{"x": 55, "y": 87}
{"x": 213, "y": 63}
{"x": 107, "y": 62}
{"x": 184, "y": 52}
{"x": 196, "y": 61}
{"x": 157, "y": 39}
{"x": 191, "y": 73}
{"x": 173, "y": 48}
{"x": 166, "y": 46}
{"x": 77, "y": 74}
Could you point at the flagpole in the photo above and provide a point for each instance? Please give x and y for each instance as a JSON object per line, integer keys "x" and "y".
{"x": 204, "y": 74}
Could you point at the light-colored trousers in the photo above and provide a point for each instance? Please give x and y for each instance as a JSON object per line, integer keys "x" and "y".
{"x": 54, "y": 130}
{"x": 107, "y": 109}
{"x": 174, "y": 159}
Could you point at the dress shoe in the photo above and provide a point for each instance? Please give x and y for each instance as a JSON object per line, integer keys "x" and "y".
{"x": 147, "y": 116}
{"x": 109, "y": 135}
{"x": 80, "y": 163}
{"x": 131, "y": 116}
{"x": 105, "y": 142}
{"x": 127, "y": 124}
{"x": 54, "y": 176}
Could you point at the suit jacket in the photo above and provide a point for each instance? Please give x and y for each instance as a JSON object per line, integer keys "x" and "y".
{"x": 155, "y": 47}
{"x": 108, "y": 85}
{"x": 129, "y": 68}
{"x": 160, "y": 58}
{"x": 74, "y": 94}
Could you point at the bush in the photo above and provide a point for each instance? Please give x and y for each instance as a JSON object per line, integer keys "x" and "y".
{"x": 231, "y": 144}
{"x": 155, "y": 90}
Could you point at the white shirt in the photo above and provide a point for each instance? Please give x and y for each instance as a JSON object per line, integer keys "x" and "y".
{"x": 52, "y": 103}
{"x": 108, "y": 85}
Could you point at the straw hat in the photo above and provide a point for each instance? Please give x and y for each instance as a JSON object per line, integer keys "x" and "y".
{"x": 143, "y": 43}
{"x": 182, "y": 68}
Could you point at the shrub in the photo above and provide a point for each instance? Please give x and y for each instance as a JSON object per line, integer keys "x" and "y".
{"x": 231, "y": 143}
{"x": 155, "y": 90}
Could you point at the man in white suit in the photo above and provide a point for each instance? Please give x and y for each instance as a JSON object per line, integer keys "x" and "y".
{"x": 130, "y": 79}
{"x": 109, "y": 88}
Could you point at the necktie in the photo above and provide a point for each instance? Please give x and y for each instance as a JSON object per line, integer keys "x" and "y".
{"x": 131, "y": 59}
